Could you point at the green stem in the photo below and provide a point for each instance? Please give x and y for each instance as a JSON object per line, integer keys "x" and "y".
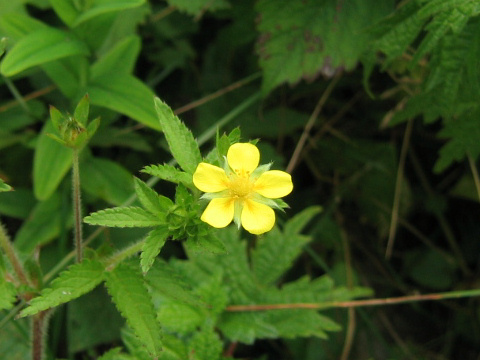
{"x": 124, "y": 254}
{"x": 7, "y": 247}
{"x": 77, "y": 207}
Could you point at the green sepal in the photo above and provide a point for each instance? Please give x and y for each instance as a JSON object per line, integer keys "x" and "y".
{"x": 93, "y": 127}
{"x": 57, "y": 117}
{"x": 82, "y": 109}
{"x": 56, "y": 138}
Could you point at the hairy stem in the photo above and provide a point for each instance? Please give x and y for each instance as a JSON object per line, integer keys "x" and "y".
{"x": 77, "y": 207}
{"x": 7, "y": 247}
{"x": 38, "y": 335}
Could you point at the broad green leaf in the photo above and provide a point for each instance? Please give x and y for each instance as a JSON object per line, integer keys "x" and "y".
{"x": 180, "y": 140}
{"x": 77, "y": 280}
{"x": 40, "y": 47}
{"x": 126, "y": 287}
{"x": 169, "y": 173}
{"x": 119, "y": 60}
{"x": 65, "y": 74}
{"x": 4, "y": 187}
{"x": 123, "y": 217}
{"x": 7, "y": 294}
{"x": 66, "y": 10}
{"x": 167, "y": 282}
{"x": 149, "y": 198}
{"x": 197, "y": 7}
{"x": 106, "y": 6}
{"x": 16, "y": 25}
{"x": 50, "y": 163}
{"x": 303, "y": 39}
{"x": 126, "y": 95}
{"x": 47, "y": 219}
{"x": 17, "y": 204}
{"x": 152, "y": 246}
{"x": 106, "y": 179}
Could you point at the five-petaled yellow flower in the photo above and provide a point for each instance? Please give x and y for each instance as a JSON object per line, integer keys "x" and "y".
{"x": 242, "y": 191}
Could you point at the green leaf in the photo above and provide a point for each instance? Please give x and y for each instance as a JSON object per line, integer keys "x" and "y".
{"x": 180, "y": 140}
{"x": 40, "y": 47}
{"x": 47, "y": 219}
{"x": 65, "y": 74}
{"x": 206, "y": 243}
{"x": 106, "y": 6}
{"x": 106, "y": 179}
{"x": 150, "y": 200}
{"x": 206, "y": 345}
{"x": 180, "y": 318}
{"x": 169, "y": 173}
{"x": 126, "y": 286}
{"x": 152, "y": 246}
{"x": 197, "y": 7}
{"x": 119, "y": 60}
{"x": 17, "y": 204}
{"x": 4, "y": 187}
{"x": 300, "y": 220}
{"x": 50, "y": 163}
{"x": 77, "y": 280}
{"x": 7, "y": 294}
{"x": 303, "y": 39}
{"x": 123, "y": 217}
{"x": 126, "y": 95}
{"x": 115, "y": 354}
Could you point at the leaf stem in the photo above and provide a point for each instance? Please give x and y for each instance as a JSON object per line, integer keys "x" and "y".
{"x": 38, "y": 335}
{"x": 358, "y": 303}
{"x": 77, "y": 207}
{"x": 9, "y": 250}
{"x": 476, "y": 178}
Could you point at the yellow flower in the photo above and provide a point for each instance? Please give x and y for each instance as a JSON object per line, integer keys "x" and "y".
{"x": 242, "y": 191}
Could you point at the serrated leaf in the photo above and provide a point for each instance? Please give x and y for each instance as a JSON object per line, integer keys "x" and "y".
{"x": 115, "y": 354}
{"x": 4, "y": 187}
{"x": 208, "y": 243}
{"x": 167, "y": 282}
{"x": 126, "y": 286}
{"x": 7, "y": 294}
{"x": 180, "y": 140}
{"x": 169, "y": 173}
{"x": 125, "y": 94}
{"x": 303, "y": 39}
{"x": 39, "y": 47}
{"x": 206, "y": 345}
{"x": 180, "y": 318}
{"x": 123, "y": 217}
{"x": 152, "y": 246}
{"x": 51, "y": 162}
{"x": 246, "y": 327}
{"x": 77, "y": 280}
{"x": 149, "y": 198}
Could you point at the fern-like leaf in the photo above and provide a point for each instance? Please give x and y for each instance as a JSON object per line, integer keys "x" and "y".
{"x": 123, "y": 217}
{"x": 180, "y": 140}
{"x": 169, "y": 173}
{"x": 125, "y": 284}
{"x": 77, "y": 280}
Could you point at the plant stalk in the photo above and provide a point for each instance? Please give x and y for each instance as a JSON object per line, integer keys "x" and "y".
{"x": 7, "y": 247}
{"x": 77, "y": 207}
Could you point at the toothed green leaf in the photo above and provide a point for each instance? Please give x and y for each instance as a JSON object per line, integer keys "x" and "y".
{"x": 123, "y": 217}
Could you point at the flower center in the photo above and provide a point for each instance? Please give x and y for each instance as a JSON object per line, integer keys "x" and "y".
{"x": 240, "y": 186}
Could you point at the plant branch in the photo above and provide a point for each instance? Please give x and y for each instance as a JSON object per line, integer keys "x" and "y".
{"x": 9, "y": 250}
{"x": 358, "y": 303}
{"x": 77, "y": 206}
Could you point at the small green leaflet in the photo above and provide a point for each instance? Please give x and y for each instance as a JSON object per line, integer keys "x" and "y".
{"x": 169, "y": 173}
{"x": 180, "y": 140}
{"x": 7, "y": 294}
{"x": 77, "y": 280}
{"x": 126, "y": 286}
{"x": 150, "y": 200}
{"x": 131, "y": 216}
{"x": 152, "y": 246}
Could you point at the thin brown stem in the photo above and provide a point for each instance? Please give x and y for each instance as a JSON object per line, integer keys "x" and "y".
{"x": 162, "y": 14}
{"x": 77, "y": 207}
{"x": 38, "y": 335}
{"x": 7, "y": 246}
{"x": 398, "y": 190}
{"x": 357, "y": 303}
{"x": 28, "y": 97}
{"x": 308, "y": 127}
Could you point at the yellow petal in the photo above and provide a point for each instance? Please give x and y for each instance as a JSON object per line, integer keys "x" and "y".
{"x": 219, "y": 212}
{"x": 210, "y": 178}
{"x": 243, "y": 157}
{"x": 274, "y": 184}
{"x": 257, "y": 218}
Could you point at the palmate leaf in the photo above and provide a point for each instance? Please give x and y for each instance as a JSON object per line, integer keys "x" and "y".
{"x": 126, "y": 286}
{"x": 180, "y": 140}
{"x": 152, "y": 246}
{"x": 169, "y": 173}
{"x": 130, "y": 216}
{"x": 77, "y": 280}
{"x": 302, "y": 39}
